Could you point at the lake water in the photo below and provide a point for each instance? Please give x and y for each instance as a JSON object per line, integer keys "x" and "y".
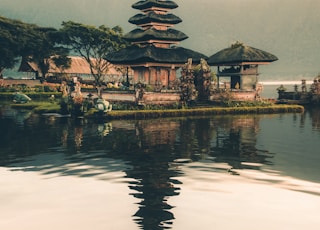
{"x": 216, "y": 172}
{"x": 270, "y": 87}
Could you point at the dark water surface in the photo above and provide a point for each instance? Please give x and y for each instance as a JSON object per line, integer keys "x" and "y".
{"x": 217, "y": 172}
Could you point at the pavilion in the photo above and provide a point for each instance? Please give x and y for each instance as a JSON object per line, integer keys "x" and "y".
{"x": 240, "y": 64}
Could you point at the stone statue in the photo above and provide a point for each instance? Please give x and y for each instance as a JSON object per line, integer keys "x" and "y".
{"x": 103, "y": 105}
{"x": 259, "y": 89}
{"x": 187, "y": 67}
{"x": 77, "y": 98}
{"x": 204, "y": 66}
{"x": 21, "y": 98}
{"x": 64, "y": 89}
{"x": 189, "y": 64}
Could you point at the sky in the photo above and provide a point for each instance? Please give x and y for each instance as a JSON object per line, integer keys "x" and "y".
{"x": 288, "y": 29}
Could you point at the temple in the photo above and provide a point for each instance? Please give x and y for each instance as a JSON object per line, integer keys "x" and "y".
{"x": 154, "y": 55}
{"x": 240, "y": 64}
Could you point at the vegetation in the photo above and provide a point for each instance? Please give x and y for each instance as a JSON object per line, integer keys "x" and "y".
{"x": 29, "y": 42}
{"x": 25, "y": 41}
{"x": 46, "y": 50}
{"x": 39, "y": 106}
{"x": 44, "y": 102}
{"x": 16, "y": 40}
{"x": 93, "y": 44}
{"x": 141, "y": 114}
{"x": 19, "y": 40}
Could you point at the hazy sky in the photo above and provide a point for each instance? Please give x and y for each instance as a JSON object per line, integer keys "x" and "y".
{"x": 287, "y": 28}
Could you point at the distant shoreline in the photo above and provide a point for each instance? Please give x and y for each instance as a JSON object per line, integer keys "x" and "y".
{"x": 284, "y": 82}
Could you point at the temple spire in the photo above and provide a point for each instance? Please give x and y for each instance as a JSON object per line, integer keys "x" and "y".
{"x": 155, "y": 24}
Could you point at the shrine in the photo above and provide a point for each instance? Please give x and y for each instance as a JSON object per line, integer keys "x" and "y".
{"x": 237, "y": 70}
{"x": 154, "y": 55}
{"x": 240, "y": 63}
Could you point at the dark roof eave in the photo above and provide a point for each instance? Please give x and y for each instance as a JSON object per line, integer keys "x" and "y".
{"x": 134, "y": 55}
{"x": 231, "y": 63}
{"x": 168, "y": 35}
{"x": 240, "y": 54}
{"x": 153, "y": 17}
{"x": 146, "y": 4}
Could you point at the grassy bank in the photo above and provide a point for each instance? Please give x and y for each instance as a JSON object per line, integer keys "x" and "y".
{"x": 8, "y": 96}
{"x": 54, "y": 107}
{"x": 39, "y": 106}
{"x": 141, "y": 114}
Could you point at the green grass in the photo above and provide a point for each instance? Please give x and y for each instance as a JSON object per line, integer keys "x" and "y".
{"x": 39, "y": 106}
{"x": 8, "y": 96}
{"x": 140, "y": 114}
{"x": 54, "y": 107}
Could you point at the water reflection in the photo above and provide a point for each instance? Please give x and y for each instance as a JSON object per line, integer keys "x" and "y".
{"x": 314, "y": 113}
{"x": 153, "y": 186}
{"x": 235, "y": 144}
{"x": 150, "y": 155}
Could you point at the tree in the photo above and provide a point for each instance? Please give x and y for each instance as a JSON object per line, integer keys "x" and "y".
{"x": 45, "y": 50}
{"x": 31, "y": 42}
{"x": 13, "y": 41}
{"x": 93, "y": 44}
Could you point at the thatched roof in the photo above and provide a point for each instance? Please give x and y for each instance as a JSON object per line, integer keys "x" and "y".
{"x": 78, "y": 66}
{"x": 139, "y": 19}
{"x": 145, "y": 4}
{"x": 239, "y": 53}
{"x": 164, "y": 35}
{"x": 139, "y": 55}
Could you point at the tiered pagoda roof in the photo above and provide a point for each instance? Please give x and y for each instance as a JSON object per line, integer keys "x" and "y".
{"x": 154, "y": 38}
{"x": 155, "y": 23}
{"x": 151, "y": 54}
{"x": 152, "y": 17}
{"x": 150, "y": 35}
{"x": 147, "y": 4}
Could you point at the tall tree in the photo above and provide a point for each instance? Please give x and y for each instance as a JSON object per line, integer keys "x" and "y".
{"x": 31, "y": 42}
{"x": 93, "y": 44}
{"x": 46, "y": 51}
{"x": 13, "y": 41}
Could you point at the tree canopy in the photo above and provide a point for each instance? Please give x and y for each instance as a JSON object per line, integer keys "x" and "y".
{"x": 46, "y": 49}
{"x": 93, "y": 44}
{"x": 41, "y": 44}
{"x": 29, "y": 42}
{"x": 14, "y": 41}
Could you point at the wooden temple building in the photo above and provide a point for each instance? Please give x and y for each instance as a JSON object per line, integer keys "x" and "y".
{"x": 238, "y": 67}
{"x": 155, "y": 58}
{"x": 154, "y": 55}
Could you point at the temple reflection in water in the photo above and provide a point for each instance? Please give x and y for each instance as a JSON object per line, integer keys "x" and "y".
{"x": 151, "y": 156}
{"x": 149, "y": 152}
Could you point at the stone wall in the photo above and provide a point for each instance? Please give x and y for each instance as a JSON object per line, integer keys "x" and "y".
{"x": 161, "y": 98}
{"x": 234, "y": 96}
{"x": 154, "y": 98}
{"x": 122, "y": 96}
{"x": 165, "y": 98}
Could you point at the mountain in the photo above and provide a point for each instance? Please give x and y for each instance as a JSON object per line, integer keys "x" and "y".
{"x": 288, "y": 29}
